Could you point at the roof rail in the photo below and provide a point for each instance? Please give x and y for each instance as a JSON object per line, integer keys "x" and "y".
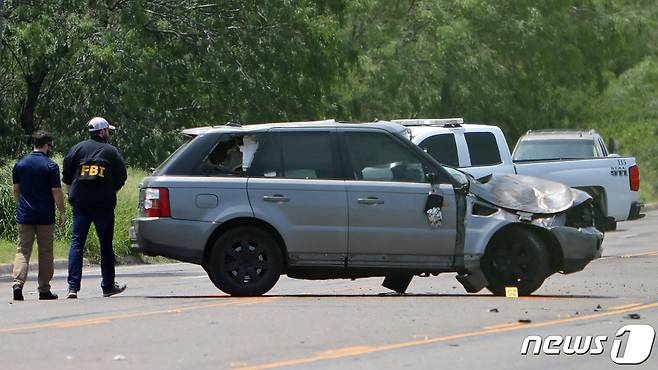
{"x": 562, "y": 130}
{"x": 444, "y": 122}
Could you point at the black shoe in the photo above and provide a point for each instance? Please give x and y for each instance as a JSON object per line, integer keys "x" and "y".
{"x": 116, "y": 289}
{"x": 18, "y": 293}
{"x": 47, "y": 296}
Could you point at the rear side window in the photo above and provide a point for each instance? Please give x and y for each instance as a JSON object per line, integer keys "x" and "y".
{"x": 443, "y": 148}
{"x": 482, "y": 148}
{"x": 267, "y": 159}
{"x": 296, "y": 155}
{"x": 161, "y": 169}
{"x": 225, "y": 159}
{"x": 308, "y": 155}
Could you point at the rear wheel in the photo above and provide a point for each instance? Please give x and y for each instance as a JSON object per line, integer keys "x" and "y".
{"x": 245, "y": 261}
{"x": 515, "y": 257}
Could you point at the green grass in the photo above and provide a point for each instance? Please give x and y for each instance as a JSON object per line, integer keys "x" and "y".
{"x": 8, "y": 251}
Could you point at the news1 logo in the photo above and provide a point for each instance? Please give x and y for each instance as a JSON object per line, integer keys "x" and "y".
{"x": 633, "y": 350}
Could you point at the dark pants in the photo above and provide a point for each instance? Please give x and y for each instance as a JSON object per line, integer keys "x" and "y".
{"x": 104, "y": 223}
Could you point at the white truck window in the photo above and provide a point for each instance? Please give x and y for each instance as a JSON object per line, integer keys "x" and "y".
{"x": 443, "y": 148}
{"x": 482, "y": 148}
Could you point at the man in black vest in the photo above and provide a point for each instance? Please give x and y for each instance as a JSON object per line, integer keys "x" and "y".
{"x": 94, "y": 171}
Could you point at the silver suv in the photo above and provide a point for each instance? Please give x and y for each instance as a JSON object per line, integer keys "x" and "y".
{"x": 325, "y": 200}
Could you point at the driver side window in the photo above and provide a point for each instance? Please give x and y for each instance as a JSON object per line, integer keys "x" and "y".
{"x": 378, "y": 157}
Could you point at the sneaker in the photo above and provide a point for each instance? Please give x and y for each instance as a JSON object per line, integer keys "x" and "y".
{"x": 18, "y": 293}
{"x": 73, "y": 294}
{"x": 47, "y": 296}
{"x": 116, "y": 289}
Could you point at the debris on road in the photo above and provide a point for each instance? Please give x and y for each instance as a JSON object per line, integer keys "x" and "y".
{"x": 493, "y": 310}
{"x": 634, "y": 316}
{"x": 525, "y": 321}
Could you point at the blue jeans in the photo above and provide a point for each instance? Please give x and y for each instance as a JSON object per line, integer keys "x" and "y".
{"x": 104, "y": 223}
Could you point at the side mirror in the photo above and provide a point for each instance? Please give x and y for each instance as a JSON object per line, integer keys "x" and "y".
{"x": 613, "y": 145}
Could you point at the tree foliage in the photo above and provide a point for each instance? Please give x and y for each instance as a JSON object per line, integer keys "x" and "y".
{"x": 628, "y": 112}
{"x": 155, "y": 66}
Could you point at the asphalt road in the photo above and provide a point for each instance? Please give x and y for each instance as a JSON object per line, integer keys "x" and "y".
{"x": 172, "y": 317}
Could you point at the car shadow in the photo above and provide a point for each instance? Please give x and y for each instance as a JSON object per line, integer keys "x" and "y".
{"x": 380, "y": 295}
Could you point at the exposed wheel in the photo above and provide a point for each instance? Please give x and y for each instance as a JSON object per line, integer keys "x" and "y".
{"x": 515, "y": 257}
{"x": 600, "y": 220}
{"x": 245, "y": 261}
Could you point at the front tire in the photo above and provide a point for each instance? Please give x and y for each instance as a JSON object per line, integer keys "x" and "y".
{"x": 245, "y": 261}
{"x": 515, "y": 257}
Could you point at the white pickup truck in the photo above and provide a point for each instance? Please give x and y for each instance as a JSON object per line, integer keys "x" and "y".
{"x": 575, "y": 158}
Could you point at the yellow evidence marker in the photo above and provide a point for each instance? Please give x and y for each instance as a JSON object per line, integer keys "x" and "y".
{"x": 511, "y": 292}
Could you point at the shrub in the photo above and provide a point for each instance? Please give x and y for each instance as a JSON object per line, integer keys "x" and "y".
{"x": 8, "y": 228}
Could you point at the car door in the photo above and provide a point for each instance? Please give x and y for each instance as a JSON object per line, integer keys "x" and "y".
{"x": 295, "y": 185}
{"x": 387, "y": 192}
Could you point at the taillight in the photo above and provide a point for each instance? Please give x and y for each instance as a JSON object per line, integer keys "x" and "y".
{"x": 156, "y": 202}
{"x": 634, "y": 173}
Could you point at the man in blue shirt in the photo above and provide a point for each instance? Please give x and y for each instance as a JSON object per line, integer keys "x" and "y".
{"x": 37, "y": 189}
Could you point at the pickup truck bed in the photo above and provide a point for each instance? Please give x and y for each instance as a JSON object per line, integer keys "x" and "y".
{"x": 596, "y": 176}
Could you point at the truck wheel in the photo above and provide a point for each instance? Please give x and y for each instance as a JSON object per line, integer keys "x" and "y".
{"x": 515, "y": 257}
{"x": 245, "y": 261}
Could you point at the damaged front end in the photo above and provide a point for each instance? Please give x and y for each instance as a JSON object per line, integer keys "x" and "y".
{"x": 556, "y": 217}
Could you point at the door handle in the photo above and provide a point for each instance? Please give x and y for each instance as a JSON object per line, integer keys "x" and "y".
{"x": 370, "y": 200}
{"x": 276, "y": 198}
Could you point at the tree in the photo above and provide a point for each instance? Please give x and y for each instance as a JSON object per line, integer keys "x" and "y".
{"x": 154, "y": 66}
{"x": 522, "y": 64}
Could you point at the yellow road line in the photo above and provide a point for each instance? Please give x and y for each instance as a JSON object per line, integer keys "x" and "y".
{"x": 106, "y": 319}
{"x": 625, "y": 306}
{"x": 508, "y": 325}
{"x": 364, "y": 349}
{"x": 643, "y": 254}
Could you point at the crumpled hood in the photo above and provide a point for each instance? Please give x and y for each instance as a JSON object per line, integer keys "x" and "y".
{"x": 527, "y": 193}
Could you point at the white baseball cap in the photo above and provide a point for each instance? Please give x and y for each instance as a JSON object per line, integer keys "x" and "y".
{"x": 99, "y": 123}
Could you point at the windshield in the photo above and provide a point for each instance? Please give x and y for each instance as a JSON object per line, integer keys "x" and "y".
{"x": 531, "y": 150}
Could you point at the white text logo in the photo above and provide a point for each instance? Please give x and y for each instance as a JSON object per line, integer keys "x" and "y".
{"x": 632, "y": 345}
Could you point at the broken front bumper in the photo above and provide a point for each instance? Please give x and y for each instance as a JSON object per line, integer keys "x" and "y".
{"x": 579, "y": 246}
